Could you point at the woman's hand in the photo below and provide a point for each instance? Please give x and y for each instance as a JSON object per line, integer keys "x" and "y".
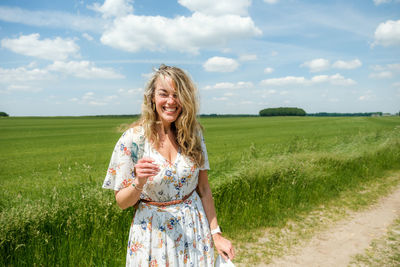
{"x": 144, "y": 169}
{"x": 224, "y": 247}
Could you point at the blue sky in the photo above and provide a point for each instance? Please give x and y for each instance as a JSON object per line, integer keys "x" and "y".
{"x": 94, "y": 57}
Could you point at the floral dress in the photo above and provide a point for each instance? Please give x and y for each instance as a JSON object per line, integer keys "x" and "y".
{"x": 175, "y": 235}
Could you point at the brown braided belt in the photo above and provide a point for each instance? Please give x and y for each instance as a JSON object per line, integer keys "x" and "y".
{"x": 167, "y": 203}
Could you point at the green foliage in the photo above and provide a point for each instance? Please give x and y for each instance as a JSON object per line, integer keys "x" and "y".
{"x": 3, "y": 114}
{"x": 282, "y": 112}
{"x": 54, "y": 212}
{"x": 335, "y": 114}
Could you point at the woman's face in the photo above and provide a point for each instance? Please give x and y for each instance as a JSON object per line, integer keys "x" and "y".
{"x": 166, "y": 100}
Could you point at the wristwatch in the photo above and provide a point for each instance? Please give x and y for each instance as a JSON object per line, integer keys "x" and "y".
{"x": 216, "y": 230}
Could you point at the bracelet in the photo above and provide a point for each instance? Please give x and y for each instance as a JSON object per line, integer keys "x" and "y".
{"x": 137, "y": 187}
{"x": 216, "y": 231}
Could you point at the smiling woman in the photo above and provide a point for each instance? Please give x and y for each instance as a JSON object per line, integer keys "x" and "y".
{"x": 160, "y": 166}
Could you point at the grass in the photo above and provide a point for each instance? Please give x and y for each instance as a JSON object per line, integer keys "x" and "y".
{"x": 54, "y": 212}
{"x": 276, "y": 241}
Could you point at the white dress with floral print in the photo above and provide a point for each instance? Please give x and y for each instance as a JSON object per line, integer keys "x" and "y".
{"x": 175, "y": 235}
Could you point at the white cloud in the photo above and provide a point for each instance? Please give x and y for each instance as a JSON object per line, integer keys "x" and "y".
{"x": 51, "y": 19}
{"x": 84, "y": 69}
{"x": 220, "y": 98}
{"x": 268, "y": 70}
{"x": 316, "y": 65}
{"x": 367, "y": 96}
{"x": 271, "y": 1}
{"x": 220, "y": 64}
{"x": 387, "y": 33}
{"x": 87, "y": 36}
{"x": 22, "y": 88}
{"x": 288, "y": 80}
{"x": 248, "y": 57}
{"x": 216, "y": 8}
{"x": 336, "y": 79}
{"x": 229, "y": 85}
{"x": 348, "y": 65}
{"x": 385, "y": 72}
{"x": 186, "y": 34}
{"x": 381, "y": 75}
{"x": 91, "y": 99}
{"x": 23, "y": 74}
{"x": 379, "y": 2}
{"x": 113, "y": 8}
{"x": 133, "y": 91}
{"x": 51, "y": 49}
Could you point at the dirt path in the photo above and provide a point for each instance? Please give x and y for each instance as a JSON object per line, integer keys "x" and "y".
{"x": 339, "y": 243}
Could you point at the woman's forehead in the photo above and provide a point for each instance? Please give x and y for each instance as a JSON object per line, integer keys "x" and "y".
{"x": 166, "y": 83}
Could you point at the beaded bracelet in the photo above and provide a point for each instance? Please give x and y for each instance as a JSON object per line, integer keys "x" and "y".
{"x": 137, "y": 187}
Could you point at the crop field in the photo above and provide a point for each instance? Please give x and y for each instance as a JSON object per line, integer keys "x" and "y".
{"x": 54, "y": 212}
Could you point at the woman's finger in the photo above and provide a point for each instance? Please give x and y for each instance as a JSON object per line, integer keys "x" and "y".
{"x": 147, "y": 165}
{"x": 146, "y": 159}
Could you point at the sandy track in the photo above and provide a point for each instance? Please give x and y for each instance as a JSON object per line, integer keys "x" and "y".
{"x": 336, "y": 246}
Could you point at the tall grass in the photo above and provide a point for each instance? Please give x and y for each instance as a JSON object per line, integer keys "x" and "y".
{"x": 264, "y": 172}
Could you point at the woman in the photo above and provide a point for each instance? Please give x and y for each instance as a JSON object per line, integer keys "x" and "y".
{"x": 160, "y": 164}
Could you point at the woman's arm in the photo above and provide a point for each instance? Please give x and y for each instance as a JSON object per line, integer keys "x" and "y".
{"x": 128, "y": 196}
{"x": 223, "y": 246}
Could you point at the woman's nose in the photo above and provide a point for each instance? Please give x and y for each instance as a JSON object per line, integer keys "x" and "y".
{"x": 171, "y": 99}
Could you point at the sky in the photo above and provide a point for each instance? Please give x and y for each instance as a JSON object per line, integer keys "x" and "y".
{"x": 78, "y": 57}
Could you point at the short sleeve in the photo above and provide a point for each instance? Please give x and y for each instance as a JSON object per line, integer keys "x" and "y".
{"x": 123, "y": 159}
{"x": 206, "y": 165}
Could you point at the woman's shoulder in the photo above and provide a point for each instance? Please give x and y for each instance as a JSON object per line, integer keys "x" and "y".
{"x": 134, "y": 134}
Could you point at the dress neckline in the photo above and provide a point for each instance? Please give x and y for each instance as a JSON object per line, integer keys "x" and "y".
{"x": 173, "y": 162}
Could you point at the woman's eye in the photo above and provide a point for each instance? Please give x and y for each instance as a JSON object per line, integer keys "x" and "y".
{"x": 163, "y": 95}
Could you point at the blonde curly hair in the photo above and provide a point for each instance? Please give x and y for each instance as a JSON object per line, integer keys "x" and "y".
{"x": 186, "y": 127}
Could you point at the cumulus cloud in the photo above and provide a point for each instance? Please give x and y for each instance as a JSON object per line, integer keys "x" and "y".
{"x": 91, "y": 99}
{"x": 336, "y": 79}
{"x": 387, "y": 33}
{"x": 268, "y": 70}
{"x": 316, "y": 65}
{"x": 321, "y": 64}
{"x": 220, "y": 64}
{"x": 385, "y": 72}
{"x": 50, "y": 49}
{"x": 113, "y": 8}
{"x": 368, "y": 95}
{"x": 23, "y": 74}
{"x": 211, "y": 24}
{"x": 21, "y": 88}
{"x": 186, "y": 34}
{"x": 381, "y": 75}
{"x": 133, "y": 91}
{"x": 216, "y": 8}
{"x": 288, "y": 80}
{"x": 248, "y": 57}
{"x": 229, "y": 85}
{"x": 347, "y": 65}
{"x": 379, "y": 2}
{"x": 87, "y": 36}
{"x": 84, "y": 69}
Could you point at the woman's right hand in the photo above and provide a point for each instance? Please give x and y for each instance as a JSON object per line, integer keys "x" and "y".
{"x": 144, "y": 169}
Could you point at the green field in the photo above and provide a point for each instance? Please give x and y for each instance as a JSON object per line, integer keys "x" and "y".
{"x": 54, "y": 212}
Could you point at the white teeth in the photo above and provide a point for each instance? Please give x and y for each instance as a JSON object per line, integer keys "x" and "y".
{"x": 170, "y": 109}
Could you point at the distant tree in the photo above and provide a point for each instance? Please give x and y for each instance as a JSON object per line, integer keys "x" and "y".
{"x": 3, "y": 114}
{"x": 282, "y": 111}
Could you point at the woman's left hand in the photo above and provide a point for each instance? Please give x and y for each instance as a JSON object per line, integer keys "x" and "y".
{"x": 224, "y": 247}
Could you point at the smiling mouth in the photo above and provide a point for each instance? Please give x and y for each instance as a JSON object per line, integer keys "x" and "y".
{"x": 170, "y": 110}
